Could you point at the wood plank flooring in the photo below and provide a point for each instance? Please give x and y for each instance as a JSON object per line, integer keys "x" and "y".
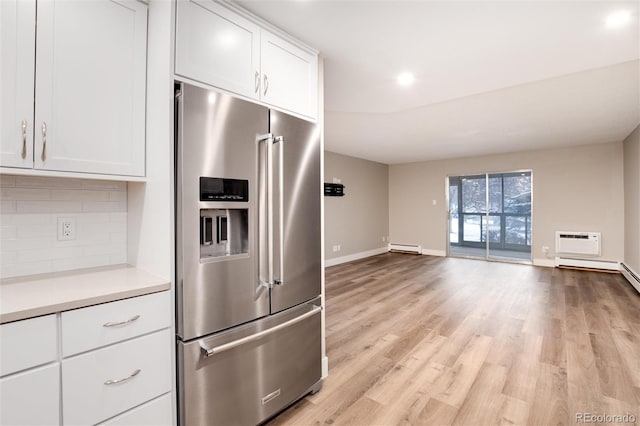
{"x": 437, "y": 341}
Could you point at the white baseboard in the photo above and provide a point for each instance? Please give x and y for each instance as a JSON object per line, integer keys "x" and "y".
{"x": 325, "y": 367}
{"x": 548, "y": 263}
{"x": 354, "y": 256}
{"x": 632, "y": 276}
{"x": 440, "y": 253}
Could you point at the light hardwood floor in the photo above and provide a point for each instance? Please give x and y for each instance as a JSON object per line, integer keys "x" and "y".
{"x": 428, "y": 340}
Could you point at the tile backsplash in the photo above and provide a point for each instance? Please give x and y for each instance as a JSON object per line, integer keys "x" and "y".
{"x": 29, "y": 211}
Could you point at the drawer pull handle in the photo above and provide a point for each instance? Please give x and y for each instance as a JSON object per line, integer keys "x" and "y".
{"x": 131, "y": 376}
{"x": 115, "y": 324}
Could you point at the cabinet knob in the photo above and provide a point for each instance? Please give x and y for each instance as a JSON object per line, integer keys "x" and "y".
{"x": 266, "y": 84}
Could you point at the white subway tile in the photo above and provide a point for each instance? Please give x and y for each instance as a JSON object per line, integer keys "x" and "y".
{"x": 117, "y": 196}
{"x": 31, "y": 194}
{"x": 8, "y": 232}
{"x": 25, "y": 244}
{"x": 104, "y": 185}
{"x": 30, "y": 208}
{"x": 118, "y": 217}
{"x": 104, "y": 206}
{"x": 80, "y": 262}
{"x": 39, "y": 255}
{"x": 20, "y": 269}
{"x": 75, "y": 195}
{"x": 118, "y": 237}
{"x": 7, "y": 207}
{"x": 93, "y": 218}
{"x": 7, "y": 181}
{"x": 118, "y": 258}
{"x": 26, "y": 219}
{"x": 48, "y": 206}
{"x": 47, "y": 182}
{"x": 8, "y": 257}
{"x": 46, "y": 231}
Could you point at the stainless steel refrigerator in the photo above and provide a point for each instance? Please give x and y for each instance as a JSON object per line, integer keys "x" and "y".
{"x": 248, "y": 259}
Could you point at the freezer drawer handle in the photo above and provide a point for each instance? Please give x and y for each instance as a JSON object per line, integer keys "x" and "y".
{"x": 115, "y": 324}
{"x": 130, "y": 376}
{"x": 207, "y": 352}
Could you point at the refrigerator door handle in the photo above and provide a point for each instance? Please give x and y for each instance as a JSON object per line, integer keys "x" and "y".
{"x": 207, "y": 352}
{"x": 279, "y": 279}
{"x": 265, "y": 210}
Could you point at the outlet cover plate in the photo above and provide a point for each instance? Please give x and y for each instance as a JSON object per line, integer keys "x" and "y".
{"x": 66, "y": 228}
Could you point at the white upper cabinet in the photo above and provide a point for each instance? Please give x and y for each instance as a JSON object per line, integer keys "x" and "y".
{"x": 90, "y": 85}
{"x": 17, "y": 44}
{"x": 219, "y": 47}
{"x": 289, "y": 76}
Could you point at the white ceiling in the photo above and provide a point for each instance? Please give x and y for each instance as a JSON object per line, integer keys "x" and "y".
{"x": 490, "y": 76}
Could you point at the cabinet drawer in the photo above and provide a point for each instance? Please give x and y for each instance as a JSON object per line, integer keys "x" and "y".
{"x": 153, "y": 413}
{"x": 101, "y": 384}
{"x": 28, "y": 343}
{"x": 31, "y": 397}
{"x": 100, "y": 325}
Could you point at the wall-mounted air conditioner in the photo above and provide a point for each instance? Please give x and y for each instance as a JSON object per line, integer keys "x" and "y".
{"x": 578, "y": 243}
{"x": 580, "y": 250}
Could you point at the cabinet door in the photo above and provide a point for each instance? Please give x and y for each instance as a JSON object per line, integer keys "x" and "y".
{"x": 31, "y": 397}
{"x": 217, "y": 47}
{"x": 289, "y": 76}
{"x": 17, "y": 44}
{"x": 90, "y": 86}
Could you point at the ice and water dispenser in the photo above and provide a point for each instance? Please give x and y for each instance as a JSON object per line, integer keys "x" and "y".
{"x": 224, "y": 231}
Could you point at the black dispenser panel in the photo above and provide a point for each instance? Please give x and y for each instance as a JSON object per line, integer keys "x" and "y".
{"x": 221, "y": 189}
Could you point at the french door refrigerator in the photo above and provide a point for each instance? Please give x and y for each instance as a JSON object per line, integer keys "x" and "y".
{"x": 248, "y": 265}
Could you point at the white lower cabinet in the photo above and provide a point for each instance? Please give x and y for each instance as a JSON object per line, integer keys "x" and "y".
{"x": 31, "y": 397}
{"x": 113, "y": 365}
{"x": 103, "y": 383}
{"x": 153, "y": 413}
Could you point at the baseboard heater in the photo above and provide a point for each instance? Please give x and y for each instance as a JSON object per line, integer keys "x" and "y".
{"x": 405, "y": 248}
{"x": 603, "y": 265}
{"x": 631, "y": 276}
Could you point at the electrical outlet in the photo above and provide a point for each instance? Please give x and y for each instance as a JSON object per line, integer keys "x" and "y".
{"x": 545, "y": 249}
{"x": 335, "y": 248}
{"x": 66, "y": 228}
{"x": 338, "y": 247}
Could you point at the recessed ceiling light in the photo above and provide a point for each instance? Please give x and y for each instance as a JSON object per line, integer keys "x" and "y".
{"x": 618, "y": 19}
{"x": 405, "y": 79}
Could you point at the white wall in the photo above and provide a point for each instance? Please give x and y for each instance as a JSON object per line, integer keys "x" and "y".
{"x": 31, "y": 207}
{"x": 632, "y": 200}
{"x": 358, "y": 221}
{"x": 574, "y": 189}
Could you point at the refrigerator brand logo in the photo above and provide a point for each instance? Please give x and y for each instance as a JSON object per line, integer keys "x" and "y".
{"x": 271, "y": 396}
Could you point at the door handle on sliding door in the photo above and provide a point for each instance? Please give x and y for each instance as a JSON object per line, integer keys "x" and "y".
{"x": 279, "y": 279}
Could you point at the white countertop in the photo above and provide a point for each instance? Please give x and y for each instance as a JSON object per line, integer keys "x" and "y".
{"x": 27, "y": 297}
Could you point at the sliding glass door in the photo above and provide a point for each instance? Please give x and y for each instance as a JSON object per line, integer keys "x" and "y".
{"x": 490, "y": 216}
